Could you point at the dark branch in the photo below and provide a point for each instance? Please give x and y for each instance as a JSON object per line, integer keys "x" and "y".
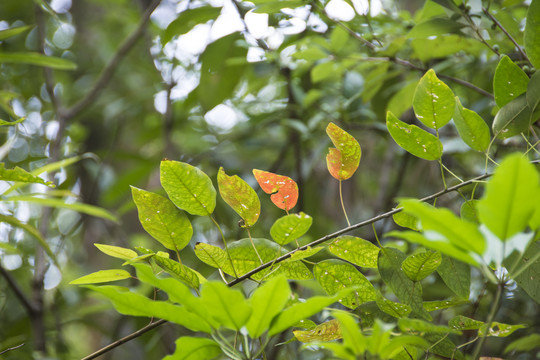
{"x": 111, "y": 67}
{"x": 25, "y": 301}
{"x": 11, "y": 348}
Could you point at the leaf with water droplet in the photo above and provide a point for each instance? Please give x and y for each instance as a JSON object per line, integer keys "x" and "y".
{"x": 283, "y": 189}
{"x": 411, "y": 138}
{"x": 472, "y": 129}
{"x": 326, "y": 331}
{"x": 342, "y": 161}
{"x": 433, "y": 101}
{"x": 161, "y": 219}
{"x": 418, "y": 266}
{"x": 335, "y": 275}
{"x": 188, "y": 187}
{"x": 240, "y": 196}
{"x": 290, "y": 227}
{"x": 443, "y": 304}
{"x": 394, "y": 309}
{"x": 355, "y": 250}
{"x": 509, "y": 81}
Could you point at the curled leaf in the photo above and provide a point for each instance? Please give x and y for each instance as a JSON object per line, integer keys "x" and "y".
{"x": 240, "y": 196}
{"x": 343, "y": 160}
{"x": 283, "y": 189}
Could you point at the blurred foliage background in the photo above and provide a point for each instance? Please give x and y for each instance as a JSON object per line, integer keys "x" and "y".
{"x": 213, "y": 83}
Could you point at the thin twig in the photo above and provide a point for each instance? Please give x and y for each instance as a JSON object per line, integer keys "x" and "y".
{"x": 125, "y": 339}
{"x": 491, "y": 316}
{"x": 499, "y": 25}
{"x": 11, "y": 348}
{"x": 25, "y": 301}
{"x": 111, "y": 67}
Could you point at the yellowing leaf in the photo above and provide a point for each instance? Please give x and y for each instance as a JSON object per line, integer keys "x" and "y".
{"x": 240, "y": 196}
{"x": 102, "y": 276}
{"x": 283, "y": 189}
{"x": 326, "y": 331}
{"x": 343, "y": 160}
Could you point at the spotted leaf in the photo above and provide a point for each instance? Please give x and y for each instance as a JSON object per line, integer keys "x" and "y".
{"x": 283, "y": 189}
{"x": 343, "y": 160}
{"x": 240, "y": 196}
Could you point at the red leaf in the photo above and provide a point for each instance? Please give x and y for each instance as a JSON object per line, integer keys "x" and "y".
{"x": 283, "y": 189}
{"x": 343, "y": 160}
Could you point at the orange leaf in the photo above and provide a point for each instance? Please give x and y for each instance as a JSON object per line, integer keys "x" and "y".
{"x": 343, "y": 160}
{"x": 283, "y": 189}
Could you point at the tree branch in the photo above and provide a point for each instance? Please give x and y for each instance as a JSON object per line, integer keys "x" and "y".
{"x": 25, "y": 301}
{"x": 111, "y": 67}
{"x": 11, "y": 348}
{"x": 499, "y": 25}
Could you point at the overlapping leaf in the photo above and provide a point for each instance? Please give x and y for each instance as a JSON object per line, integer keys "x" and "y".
{"x": 240, "y": 196}
{"x": 335, "y": 275}
{"x": 161, "y": 219}
{"x": 188, "y": 187}
{"x": 355, "y": 250}
{"x": 411, "y": 138}
{"x": 102, "y": 276}
{"x": 419, "y": 266}
{"x": 179, "y": 271}
{"x": 433, "y": 101}
{"x": 392, "y": 308}
{"x": 21, "y": 175}
{"x": 513, "y": 118}
{"x": 497, "y": 329}
{"x": 227, "y": 306}
{"x": 509, "y": 81}
{"x": 283, "y": 189}
{"x": 472, "y": 129}
{"x": 343, "y": 160}
{"x": 456, "y": 275}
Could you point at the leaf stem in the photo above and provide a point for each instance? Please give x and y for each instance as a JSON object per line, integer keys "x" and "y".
{"x": 342, "y": 204}
{"x": 451, "y": 173}
{"x": 253, "y": 244}
{"x": 225, "y": 243}
{"x": 491, "y": 316}
{"x": 442, "y": 174}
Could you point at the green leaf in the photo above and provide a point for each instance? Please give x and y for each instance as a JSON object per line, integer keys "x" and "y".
{"x": 443, "y": 304}
{"x": 13, "y": 221}
{"x": 290, "y": 227}
{"x": 194, "y": 348}
{"x": 60, "y": 203}
{"x": 533, "y": 92}
{"x": 405, "y": 220}
{"x": 509, "y": 81}
{"x": 444, "y": 46}
{"x": 461, "y": 234}
{"x": 435, "y": 242}
{"x": 240, "y": 197}
{"x": 418, "y": 142}
{"x": 418, "y": 266}
{"x": 434, "y": 27}
{"x": 417, "y": 325}
{"x": 442, "y": 345}
{"x": 401, "y": 101}
{"x": 500, "y": 330}
{"x": 227, "y": 306}
{"x": 267, "y": 302}
{"x": 323, "y": 71}
{"x": 433, "y": 101}
{"x": 456, "y": 275}
{"x": 32, "y": 58}
{"x": 303, "y": 310}
{"x": 355, "y": 250}
{"x": 335, "y": 275}
{"x": 531, "y": 38}
{"x": 116, "y": 251}
{"x": 21, "y": 175}
{"x": 472, "y": 129}
{"x": 179, "y": 271}
{"x": 511, "y": 197}
{"x": 406, "y": 290}
{"x": 527, "y": 270}
{"x": 187, "y": 20}
{"x": 468, "y": 211}
{"x": 392, "y": 308}
{"x": 526, "y": 343}
{"x": 327, "y": 331}
{"x": 222, "y": 64}
{"x": 342, "y": 161}
{"x": 130, "y": 303}
{"x": 461, "y": 322}
{"x": 188, "y": 187}
{"x": 303, "y": 254}
{"x": 11, "y": 123}
{"x": 513, "y": 118}
{"x": 7, "y": 33}
{"x": 101, "y": 277}
{"x": 214, "y": 256}
{"x": 161, "y": 219}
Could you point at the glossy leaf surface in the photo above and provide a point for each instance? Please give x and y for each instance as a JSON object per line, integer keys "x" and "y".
{"x": 472, "y": 129}
{"x": 116, "y": 251}
{"x": 102, "y": 276}
{"x": 239, "y": 196}
{"x": 283, "y": 189}
{"x": 433, "y": 101}
{"x": 188, "y": 187}
{"x": 414, "y": 140}
{"x": 161, "y": 219}
{"x": 336, "y": 275}
{"x": 342, "y": 161}
{"x": 290, "y": 227}
{"x": 509, "y": 81}
{"x": 355, "y": 250}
